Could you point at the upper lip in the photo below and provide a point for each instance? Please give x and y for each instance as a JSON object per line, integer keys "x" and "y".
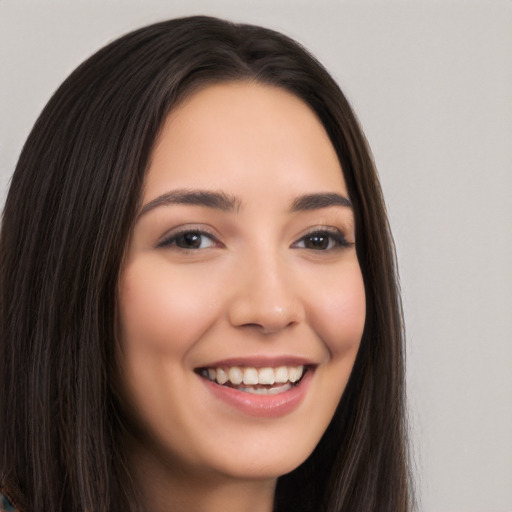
{"x": 261, "y": 361}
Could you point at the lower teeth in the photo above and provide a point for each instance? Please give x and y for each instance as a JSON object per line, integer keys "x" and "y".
{"x": 266, "y": 391}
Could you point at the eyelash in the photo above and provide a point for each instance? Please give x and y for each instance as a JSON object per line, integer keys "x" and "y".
{"x": 173, "y": 239}
{"x": 335, "y": 239}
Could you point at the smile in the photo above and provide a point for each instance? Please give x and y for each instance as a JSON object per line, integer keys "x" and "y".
{"x": 266, "y": 391}
{"x": 261, "y": 381}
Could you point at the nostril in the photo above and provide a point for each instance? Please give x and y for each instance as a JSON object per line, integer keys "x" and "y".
{"x": 253, "y": 326}
{"x": 267, "y": 327}
{"x": 264, "y": 318}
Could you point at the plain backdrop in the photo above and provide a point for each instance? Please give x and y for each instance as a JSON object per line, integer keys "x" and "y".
{"x": 431, "y": 83}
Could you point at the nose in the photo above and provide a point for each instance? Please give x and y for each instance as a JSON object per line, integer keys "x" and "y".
{"x": 266, "y": 297}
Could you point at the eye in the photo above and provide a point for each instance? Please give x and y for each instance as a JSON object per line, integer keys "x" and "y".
{"x": 322, "y": 240}
{"x": 190, "y": 239}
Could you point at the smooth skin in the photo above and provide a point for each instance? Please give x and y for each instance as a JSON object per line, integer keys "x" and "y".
{"x": 256, "y": 273}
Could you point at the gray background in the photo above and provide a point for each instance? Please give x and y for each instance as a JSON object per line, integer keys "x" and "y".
{"x": 432, "y": 85}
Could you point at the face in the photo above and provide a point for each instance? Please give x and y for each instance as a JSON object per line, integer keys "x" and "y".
{"x": 241, "y": 299}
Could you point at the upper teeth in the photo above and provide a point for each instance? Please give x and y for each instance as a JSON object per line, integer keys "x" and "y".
{"x": 251, "y": 376}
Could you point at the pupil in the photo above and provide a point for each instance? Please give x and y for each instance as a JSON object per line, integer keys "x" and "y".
{"x": 191, "y": 240}
{"x": 317, "y": 242}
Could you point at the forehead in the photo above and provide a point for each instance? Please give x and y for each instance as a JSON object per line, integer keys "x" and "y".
{"x": 238, "y": 134}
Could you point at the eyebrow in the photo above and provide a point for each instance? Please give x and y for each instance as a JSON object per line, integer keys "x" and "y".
{"x": 215, "y": 200}
{"x": 227, "y": 203}
{"x": 318, "y": 201}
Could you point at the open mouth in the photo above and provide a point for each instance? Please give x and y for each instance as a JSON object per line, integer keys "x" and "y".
{"x": 262, "y": 381}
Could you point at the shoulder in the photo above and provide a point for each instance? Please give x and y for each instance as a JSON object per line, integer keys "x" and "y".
{"x": 7, "y": 503}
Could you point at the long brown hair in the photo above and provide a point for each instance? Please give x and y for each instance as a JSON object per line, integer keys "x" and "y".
{"x": 66, "y": 223}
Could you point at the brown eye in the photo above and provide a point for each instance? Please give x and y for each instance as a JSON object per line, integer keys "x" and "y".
{"x": 319, "y": 241}
{"x": 322, "y": 240}
{"x": 190, "y": 239}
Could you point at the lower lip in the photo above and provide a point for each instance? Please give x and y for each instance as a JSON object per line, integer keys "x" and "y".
{"x": 265, "y": 406}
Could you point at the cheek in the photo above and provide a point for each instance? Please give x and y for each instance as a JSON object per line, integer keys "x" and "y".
{"x": 159, "y": 309}
{"x": 338, "y": 311}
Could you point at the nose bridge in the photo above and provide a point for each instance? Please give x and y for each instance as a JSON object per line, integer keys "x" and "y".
{"x": 266, "y": 295}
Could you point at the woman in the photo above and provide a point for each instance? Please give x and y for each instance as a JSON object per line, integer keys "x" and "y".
{"x": 199, "y": 297}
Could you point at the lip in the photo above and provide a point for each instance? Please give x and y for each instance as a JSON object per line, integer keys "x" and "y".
{"x": 262, "y": 361}
{"x": 264, "y": 406}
